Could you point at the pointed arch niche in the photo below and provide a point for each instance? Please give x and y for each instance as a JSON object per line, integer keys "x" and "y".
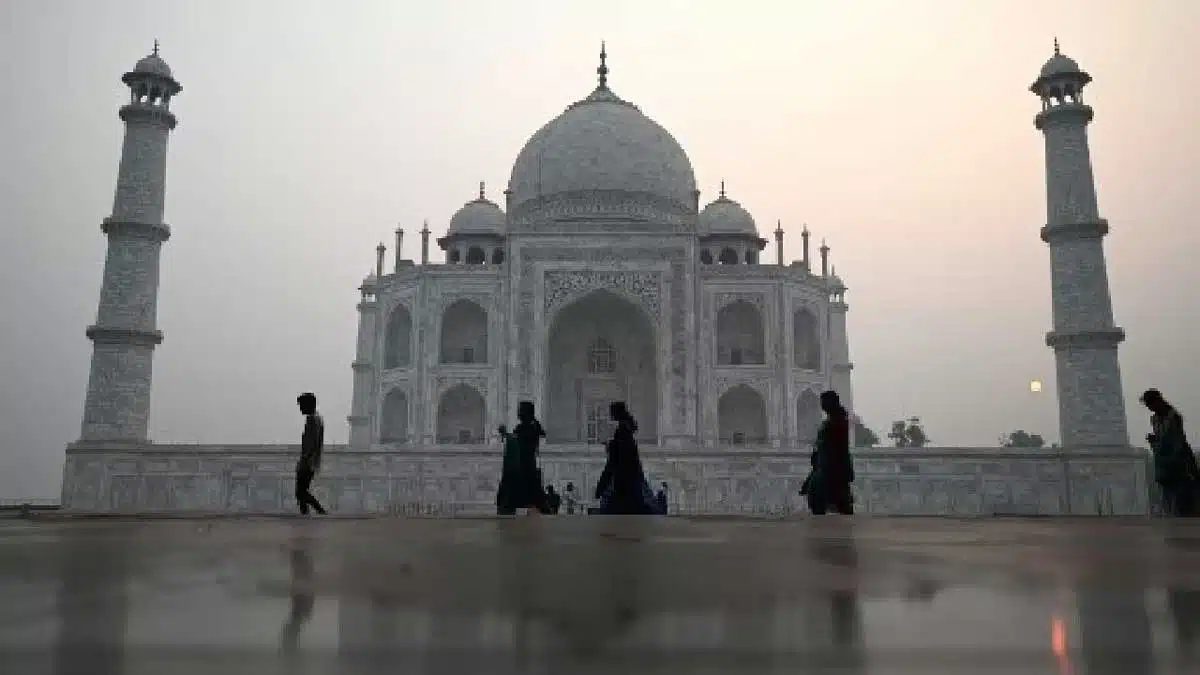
{"x": 740, "y": 337}
{"x": 460, "y": 415}
{"x": 806, "y": 340}
{"x": 742, "y": 416}
{"x": 393, "y": 427}
{"x": 464, "y": 336}
{"x": 397, "y": 344}
{"x": 808, "y": 417}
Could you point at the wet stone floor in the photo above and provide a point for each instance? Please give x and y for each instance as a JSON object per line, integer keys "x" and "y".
{"x": 587, "y": 594}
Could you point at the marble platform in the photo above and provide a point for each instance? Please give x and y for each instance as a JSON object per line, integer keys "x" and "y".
{"x": 461, "y": 480}
{"x": 863, "y": 596}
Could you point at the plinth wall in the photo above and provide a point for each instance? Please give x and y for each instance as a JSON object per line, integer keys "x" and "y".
{"x": 462, "y": 480}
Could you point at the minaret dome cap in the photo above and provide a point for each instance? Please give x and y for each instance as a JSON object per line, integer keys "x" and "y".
{"x": 153, "y": 65}
{"x": 1059, "y": 68}
{"x": 1060, "y": 65}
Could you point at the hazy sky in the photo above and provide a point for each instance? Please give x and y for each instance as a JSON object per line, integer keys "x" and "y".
{"x": 900, "y": 130}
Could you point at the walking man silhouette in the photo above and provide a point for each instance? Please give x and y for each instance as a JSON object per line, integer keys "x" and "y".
{"x": 310, "y": 453}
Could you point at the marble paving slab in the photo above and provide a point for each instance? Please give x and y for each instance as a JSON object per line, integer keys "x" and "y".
{"x": 115, "y": 595}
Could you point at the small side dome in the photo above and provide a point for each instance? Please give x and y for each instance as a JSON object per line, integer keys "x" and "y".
{"x": 725, "y": 216}
{"x": 478, "y": 216}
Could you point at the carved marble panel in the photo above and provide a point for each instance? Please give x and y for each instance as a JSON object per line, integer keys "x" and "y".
{"x": 446, "y": 381}
{"x": 755, "y": 299}
{"x": 761, "y": 382}
{"x": 433, "y": 481}
{"x": 564, "y": 286}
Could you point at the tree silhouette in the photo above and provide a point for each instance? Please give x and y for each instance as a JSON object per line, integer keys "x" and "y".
{"x": 1022, "y": 439}
{"x": 908, "y": 433}
{"x": 863, "y": 436}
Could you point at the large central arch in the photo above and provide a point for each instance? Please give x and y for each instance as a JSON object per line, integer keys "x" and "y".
{"x": 601, "y": 348}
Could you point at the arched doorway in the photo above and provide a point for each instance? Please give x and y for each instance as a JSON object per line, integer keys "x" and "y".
{"x": 806, "y": 340}
{"x": 601, "y": 348}
{"x": 476, "y": 256}
{"x": 808, "y": 417}
{"x": 397, "y": 348}
{"x": 393, "y": 426}
{"x": 740, "y": 339}
{"x": 460, "y": 415}
{"x": 464, "y": 333}
{"x": 742, "y": 417}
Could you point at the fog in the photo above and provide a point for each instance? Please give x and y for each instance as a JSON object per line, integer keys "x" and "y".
{"x": 902, "y": 132}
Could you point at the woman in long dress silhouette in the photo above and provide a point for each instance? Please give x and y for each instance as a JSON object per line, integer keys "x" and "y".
{"x": 622, "y": 488}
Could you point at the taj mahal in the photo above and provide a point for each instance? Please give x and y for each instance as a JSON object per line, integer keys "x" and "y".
{"x": 601, "y": 274}
{"x": 601, "y": 279}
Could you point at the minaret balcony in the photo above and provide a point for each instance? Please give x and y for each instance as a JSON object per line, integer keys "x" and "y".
{"x": 1068, "y": 114}
{"x": 148, "y": 113}
{"x": 1062, "y": 232}
{"x": 138, "y": 230}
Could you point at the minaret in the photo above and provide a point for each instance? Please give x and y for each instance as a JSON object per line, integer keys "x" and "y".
{"x": 824, "y": 259}
{"x": 399, "y": 248}
{"x": 425, "y": 243}
{"x": 1091, "y": 405}
{"x": 380, "y": 252}
{"x": 364, "y": 372}
{"x": 779, "y": 242}
{"x": 804, "y": 236}
{"x": 124, "y": 336}
{"x": 840, "y": 366}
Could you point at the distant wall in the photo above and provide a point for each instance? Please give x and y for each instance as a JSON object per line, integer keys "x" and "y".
{"x": 450, "y": 480}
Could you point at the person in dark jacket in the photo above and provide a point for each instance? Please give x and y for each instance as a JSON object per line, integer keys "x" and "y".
{"x": 622, "y": 488}
{"x": 311, "y": 442}
{"x": 1175, "y": 468}
{"x": 828, "y": 485}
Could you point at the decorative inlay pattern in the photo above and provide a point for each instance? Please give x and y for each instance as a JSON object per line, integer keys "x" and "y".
{"x": 722, "y": 300}
{"x": 442, "y": 383}
{"x": 561, "y": 287}
{"x": 760, "y": 382}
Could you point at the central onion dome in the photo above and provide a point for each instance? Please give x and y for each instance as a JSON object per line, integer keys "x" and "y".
{"x": 602, "y": 159}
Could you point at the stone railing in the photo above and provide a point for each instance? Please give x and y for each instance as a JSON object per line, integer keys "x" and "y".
{"x": 461, "y": 480}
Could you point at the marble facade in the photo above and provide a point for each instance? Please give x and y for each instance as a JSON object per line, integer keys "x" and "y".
{"x": 600, "y": 279}
{"x": 462, "y": 480}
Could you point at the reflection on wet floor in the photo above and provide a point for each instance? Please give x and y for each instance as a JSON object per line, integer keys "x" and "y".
{"x": 590, "y": 594}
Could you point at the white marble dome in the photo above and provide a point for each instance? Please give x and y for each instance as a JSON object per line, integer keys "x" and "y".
{"x": 725, "y": 216}
{"x": 154, "y": 65}
{"x": 602, "y": 157}
{"x": 478, "y": 216}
